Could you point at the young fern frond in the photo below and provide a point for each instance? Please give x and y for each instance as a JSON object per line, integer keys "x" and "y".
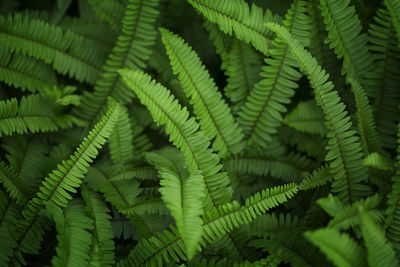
{"x": 111, "y": 11}
{"x": 131, "y": 51}
{"x": 34, "y": 113}
{"x": 215, "y": 117}
{"x": 243, "y": 66}
{"x": 366, "y": 123}
{"x": 24, "y": 72}
{"x": 121, "y": 146}
{"x": 261, "y": 114}
{"x": 340, "y": 248}
{"x": 184, "y": 134}
{"x": 345, "y": 151}
{"x": 345, "y": 37}
{"x": 394, "y": 10}
{"x": 379, "y": 249}
{"x": 183, "y": 195}
{"x": 384, "y": 80}
{"x": 66, "y": 51}
{"x": 102, "y": 249}
{"x": 73, "y": 237}
{"x": 216, "y": 223}
{"x": 236, "y": 17}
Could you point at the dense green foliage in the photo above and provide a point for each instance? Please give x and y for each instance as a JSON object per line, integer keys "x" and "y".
{"x": 199, "y": 133}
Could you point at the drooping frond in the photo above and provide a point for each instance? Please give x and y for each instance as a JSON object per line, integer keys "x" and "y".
{"x": 345, "y": 37}
{"x": 221, "y": 41}
{"x": 183, "y": 195}
{"x": 236, "y": 17}
{"x": 74, "y": 238}
{"x": 217, "y": 222}
{"x": 379, "y": 161}
{"x": 306, "y": 117}
{"x": 25, "y": 72}
{"x": 102, "y": 250}
{"x": 261, "y": 114}
{"x": 131, "y": 51}
{"x": 243, "y": 66}
{"x": 340, "y": 248}
{"x": 345, "y": 152}
{"x": 34, "y": 113}
{"x": 366, "y": 123}
{"x": 121, "y": 145}
{"x": 215, "y": 117}
{"x": 380, "y": 251}
{"x": 184, "y": 135}
{"x": 16, "y": 188}
{"x": 66, "y": 51}
{"x": 384, "y": 80}
{"x": 111, "y": 11}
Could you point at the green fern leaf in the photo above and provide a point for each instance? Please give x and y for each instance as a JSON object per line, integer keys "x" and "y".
{"x": 183, "y": 133}
{"x": 307, "y": 117}
{"x": 183, "y": 196}
{"x": 214, "y": 115}
{"x": 131, "y": 51}
{"x": 384, "y": 80}
{"x": 380, "y": 251}
{"x": 111, "y": 11}
{"x": 34, "y": 114}
{"x": 102, "y": 250}
{"x": 25, "y": 72}
{"x": 344, "y": 146}
{"x": 394, "y": 9}
{"x": 73, "y": 236}
{"x": 261, "y": 114}
{"x": 378, "y": 161}
{"x": 235, "y": 16}
{"x": 66, "y": 51}
{"x": 8, "y": 214}
{"x": 319, "y": 177}
{"x": 338, "y": 247}
{"x": 17, "y": 189}
{"x": 345, "y": 37}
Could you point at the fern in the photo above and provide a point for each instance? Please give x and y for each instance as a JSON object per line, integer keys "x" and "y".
{"x": 261, "y": 113}
{"x": 183, "y": 133}
{"x": 215, "y": 117}
{"x": 346, "y": 166}
{"x": 109, "y": 11}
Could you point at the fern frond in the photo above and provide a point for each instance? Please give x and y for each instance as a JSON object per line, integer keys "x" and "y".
{"x": 217, "y": 222}
{"x": 183, "y": 195}
{"x": 243, "y": 66}
{"x": 394, "y": 10}
{"x": 8, "y": 214}
{"x": 383, "y": 84}
{"x": 184, "y": 135}
{"x": 380, "y": 251}
{"x": 215, "y": 117}
{"x": 111, "y": 11}
{"x": 102, "y": 250}
{"x": 33, "y": 114}
{"x": 16, "y": 187}
{"x": 221, "y": 41}
{"x": 235, "y": 16}
{"x": 378, "y": 161}
{"x": 340, "y": 248}
{"x": 366, "y": 123}
{"x": 131, "y": 51}
{"x": 25, "y": 72}
{"x": 140, "y": 173}
{"x": 121, "y": 146}
{"x": 344, "y": 147}
{"x": 306, "y": 117}
{"x": 73, "y": 237}
{"x": 345, "y": 37}
{"x": 319, "y": 177}
{"x": 65, "y": 50}
{"x": 261, "y": 114}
